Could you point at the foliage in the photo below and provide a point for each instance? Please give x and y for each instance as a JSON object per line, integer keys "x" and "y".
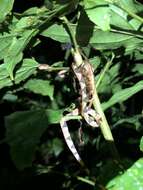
{"x": 37, "y": 84}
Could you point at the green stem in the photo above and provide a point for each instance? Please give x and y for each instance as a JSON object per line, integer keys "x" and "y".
{"x": 104, "y": 71}
{"x": 74, "y": 51}
{"x": 106, "y": 131}
{"x": 72, "y": 36}
{"x": 92, "y": 183}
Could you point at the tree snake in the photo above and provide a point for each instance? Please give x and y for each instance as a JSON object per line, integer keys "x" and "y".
{"x": 85, "y": 78}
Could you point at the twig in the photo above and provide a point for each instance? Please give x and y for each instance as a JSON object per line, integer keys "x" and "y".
{"x": 104, "y": 71}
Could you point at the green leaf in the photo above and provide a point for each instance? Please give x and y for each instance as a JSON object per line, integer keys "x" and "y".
{"x": 26, "y": 22}
{"x": 27, "y": 68}
{"x": 23, "y": 133}
{"x": 53, "y": 116}
{"x": 42, "y": 87}
{"x": 112, "y": 40}
{"x": 5, "y": 8}
{"x": 141, "y": 144}
{"x": 132, "y": 179}
{"x": 10, "y": 97}
{"x": 56, "y": 32}
{"x": 5, "y": 42}
{"x": 123, "y": 95}
{"x": 98, "y": 14}
{"x": 14, "y": 52}
{"x": 4, "y": 77}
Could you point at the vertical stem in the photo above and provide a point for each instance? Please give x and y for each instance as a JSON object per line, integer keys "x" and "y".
{"x": 105, "y": 127}
{"x": 104, "y": 71}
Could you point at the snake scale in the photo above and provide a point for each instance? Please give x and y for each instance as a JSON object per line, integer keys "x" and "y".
{"x": 85, "y": 77}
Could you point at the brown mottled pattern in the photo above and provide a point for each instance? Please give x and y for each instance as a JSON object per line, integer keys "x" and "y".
{"x": 85, "y": 77}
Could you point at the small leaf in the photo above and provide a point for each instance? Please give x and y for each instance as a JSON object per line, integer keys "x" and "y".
{"x": 53, "y": 116}
{"x": 42, "y": 87}
{"x": 10, "y": 97}
{"x": 123, "y": 95}
{"x": 5, "y": 8}
{"x": 27, "y": 68}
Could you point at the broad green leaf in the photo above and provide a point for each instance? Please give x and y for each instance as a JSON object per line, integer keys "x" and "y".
{"x": 39, "y": 86}
{"x": 132, "y": 179}
{"x": 4, "y": 77}
{"x": 123, "y": 95}
{"x": 99, "y": 15}
{"x": 5, "y": 8}
{"x": 27, "y": 68}
{"x": 14, "y": 52}
{"x": 88, "y": 33}
{"x": 23, "y": 133}
{"x": 5, "y": 42}
{"x": 56, "y": 32}
{"x": 141, "y": 144}
{"x": 112, "y": 40}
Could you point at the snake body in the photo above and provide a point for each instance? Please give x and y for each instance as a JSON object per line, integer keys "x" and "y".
{"x": 85, "y": 77}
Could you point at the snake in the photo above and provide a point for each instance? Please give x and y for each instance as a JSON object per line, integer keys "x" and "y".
{"x": 85, "y": 77}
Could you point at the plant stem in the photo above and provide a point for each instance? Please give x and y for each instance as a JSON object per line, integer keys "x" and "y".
{"x": 104, "y": 71}
{"x": 92, "y": 183}
{"x": 106, "y": 131}
{"x": 72, "y": 36}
